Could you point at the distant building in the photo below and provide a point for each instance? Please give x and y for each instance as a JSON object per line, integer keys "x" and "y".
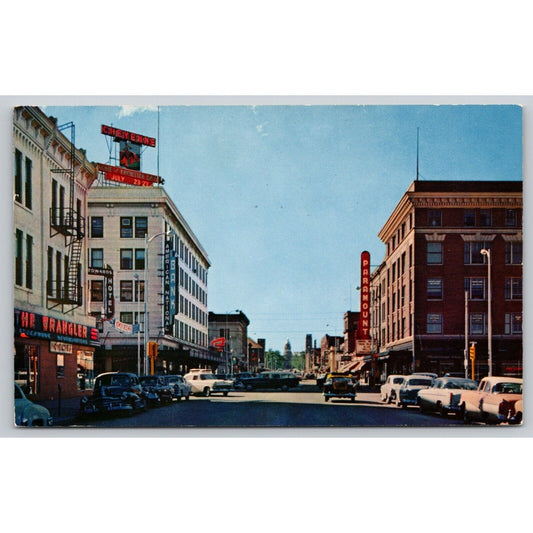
{"x": 233, "y": 327}
{"x": 434, "y": 270}
{"x": 287, "y": 355}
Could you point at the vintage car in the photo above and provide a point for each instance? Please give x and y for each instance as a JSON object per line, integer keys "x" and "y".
{"x": 160, "y": 392}
{"x": 114, "y": 392}
{"x": 443, "y": 397}
{"x": 407, "y": 394}
{"x": 204, "y": 383}
{"x": 340, "y": 385}
{"x": 387, "y": 391}
{"x": 178, "y": 386}
{"x": 29, "y": 414}
{"x": 497, "y": 399}
{"x": 271, "y": 380}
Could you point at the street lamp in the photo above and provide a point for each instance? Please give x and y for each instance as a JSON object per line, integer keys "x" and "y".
{"x": 147, "y": 241}
{"x": 486, "y": 252}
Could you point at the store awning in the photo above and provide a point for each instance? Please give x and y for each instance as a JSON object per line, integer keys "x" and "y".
{"x": 354, "y": 366}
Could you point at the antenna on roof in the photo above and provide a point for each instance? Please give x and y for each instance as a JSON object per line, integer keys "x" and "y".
{"x": 417, "y": 145}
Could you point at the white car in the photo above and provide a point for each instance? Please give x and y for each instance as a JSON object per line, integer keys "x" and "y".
{"x": 444, "y": 396}
{"x": 179, "y": 386}
{"x": 389, "y": 389}
{"x": 30, "y": 414}
{"x": 204, "y": 382}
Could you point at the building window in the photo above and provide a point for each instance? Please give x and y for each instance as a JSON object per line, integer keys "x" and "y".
{"x": 139, "y": 258}
{"x": 510, "y": 217}
{"x": 139, "y": 289}
{"x": 97, "y": 290}
{"x": 97, "y": 227}
{"x": 513, "y": 253}
{"x": 476, "y": 288}
{"x": 126, "y": 291}
{"x": 28, "y": 184}
{"x": 141, "y": 227}
{"x": 478, "y": 324}
{"x": 513, "y": 323}
{"x": 29, "y": 262}
{"x": 434, "y": 289}
{"x": 434, "y": 253}
{"x": 434, "y": 217}
{"x": 473, "y": 254}
{"x": 513, "y": 288}
{"x": 434, "y": 323}
{"x": 97, "y": 257}
{"x": 126, "y": 227}
{"x": 126, "y": 259}
{"x": 469, "y": 218}
{"x": 126, "y": 317}
{"x": 485, "y": 217}
{"x": 18, "y": 258}
{"x": 18, "y": 176}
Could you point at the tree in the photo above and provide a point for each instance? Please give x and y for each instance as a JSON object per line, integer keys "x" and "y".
{"x": 274, "y": 359}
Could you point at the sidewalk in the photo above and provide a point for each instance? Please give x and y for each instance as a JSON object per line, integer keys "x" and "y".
{"x": 64, "y": 412}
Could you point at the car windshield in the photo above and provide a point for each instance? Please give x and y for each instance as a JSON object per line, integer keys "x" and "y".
{"x": 208, "y": 376}
{"x": 465, "y": 385}
{"x": 150, "y": 381}
{"x": 397, "y": 380}
{"x": 507, "y": 388}
{"x": 120, "y": 381}
{"x": 419, "y": 381}
{"x": 341, "y": 380}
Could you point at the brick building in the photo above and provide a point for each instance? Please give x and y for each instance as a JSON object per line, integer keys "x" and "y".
{"x": 431, "y": 291}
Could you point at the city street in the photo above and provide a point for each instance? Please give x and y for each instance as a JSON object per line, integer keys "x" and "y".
{"x": 303, "y": 407}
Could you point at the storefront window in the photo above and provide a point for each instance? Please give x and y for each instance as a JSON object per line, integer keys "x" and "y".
{"x": 85, "y": 373}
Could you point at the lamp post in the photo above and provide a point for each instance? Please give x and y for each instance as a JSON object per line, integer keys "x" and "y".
{"x": 486, "y": 252}
{"x": 147, "y": 241}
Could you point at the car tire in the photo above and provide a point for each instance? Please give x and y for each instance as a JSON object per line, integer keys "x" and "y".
{"x": 187, "y": 397}
{"x": 385, "y": 398}
{"x": 225, "y": 393}
{"x": 467, "y": 419}
{"x": 352, "y": 399}
{"x": 249, "y": 388}
{"x": 207, "y": 392}
{"x": 326, "y": 399}
{"x": 284, "y": 388}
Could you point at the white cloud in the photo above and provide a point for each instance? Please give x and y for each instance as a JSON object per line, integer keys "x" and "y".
{"x": 128, "y": 110}
{"x": 260, "y": 129}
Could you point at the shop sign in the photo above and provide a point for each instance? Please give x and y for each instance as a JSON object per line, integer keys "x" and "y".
{"x": 363, "y": 346}
{"x": 35, "y": 325}
{"x": 123, "y": 135}
{"x": 126, "y": 175}
{"x": 60, "y": 347}
{"x": 169, "y": 285}
{"x": 363, "y": 329}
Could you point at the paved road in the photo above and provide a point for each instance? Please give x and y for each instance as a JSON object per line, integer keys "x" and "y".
{"x": 303, "y": 408}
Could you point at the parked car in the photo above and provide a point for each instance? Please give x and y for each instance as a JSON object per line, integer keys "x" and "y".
{"x": 178, "y": 386}
{"x": 29, "y": 414}
{"x": 497, "y": 399}
{"x": 340, "y": 385}
{"x": 114, "y": 392}
{"x": 205, "y": 383}
{"x": 392, "y": 382}
{"x": 427, "y": 374}
{"x": 156, "y": 385}
{"x": 237, "y": 379}
{"x": 407, "y": 394}
{"x": 271, "y": 380}
{"x": 444, "y": 395}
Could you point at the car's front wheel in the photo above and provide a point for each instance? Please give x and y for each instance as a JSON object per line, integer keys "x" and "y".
{"x": 207, "y": 392}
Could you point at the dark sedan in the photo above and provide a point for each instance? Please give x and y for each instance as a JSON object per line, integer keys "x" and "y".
{"x": 271, "y": 380}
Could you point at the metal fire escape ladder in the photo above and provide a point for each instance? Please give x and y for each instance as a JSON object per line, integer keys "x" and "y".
{"x": 69, "y": 223}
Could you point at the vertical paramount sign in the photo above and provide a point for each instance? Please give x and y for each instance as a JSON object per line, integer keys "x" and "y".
{"x": 363, "y": 341}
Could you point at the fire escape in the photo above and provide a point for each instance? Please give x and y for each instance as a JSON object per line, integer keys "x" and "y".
{"x": 67, "y": 221}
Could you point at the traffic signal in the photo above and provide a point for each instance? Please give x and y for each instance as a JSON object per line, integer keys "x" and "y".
{"x": 473, "y": 352}
{"x": 152, "y": 349}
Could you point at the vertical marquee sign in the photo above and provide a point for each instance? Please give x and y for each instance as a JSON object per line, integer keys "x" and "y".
{"x": 169, "y": 282}
{"x": 363, "y": 341}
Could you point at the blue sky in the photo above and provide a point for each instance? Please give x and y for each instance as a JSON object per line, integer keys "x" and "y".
{"x": 285, "y": 198}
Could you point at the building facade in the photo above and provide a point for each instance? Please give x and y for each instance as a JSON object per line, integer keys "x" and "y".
{"x": 233, "y": 328}
{"x": 140, "y": 244}
{"x": 429, "y": 297}
{"x": 55, "y": 338}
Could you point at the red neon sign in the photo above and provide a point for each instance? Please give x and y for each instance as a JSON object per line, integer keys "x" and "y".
{"x": 363, "y": 329}
{"x": 123, "y": 135}
{"x": 125, "y": 175}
